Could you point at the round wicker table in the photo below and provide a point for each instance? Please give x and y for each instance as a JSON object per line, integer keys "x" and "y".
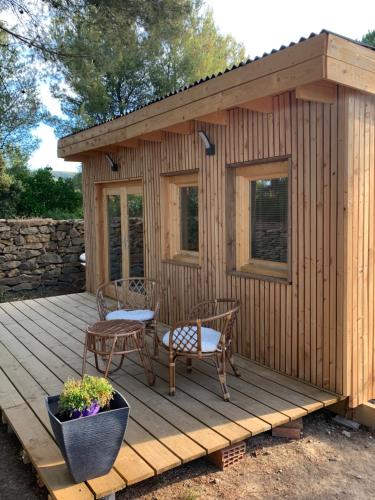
{"x": 117, "y": 338}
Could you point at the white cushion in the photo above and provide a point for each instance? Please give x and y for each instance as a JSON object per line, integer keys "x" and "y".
{"x": 210, "y": 338}
{"x": 135, "y": 315}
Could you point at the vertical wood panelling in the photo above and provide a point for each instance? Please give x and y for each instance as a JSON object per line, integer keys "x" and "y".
{"x": 359, "y": 197}
{"x": 298, "y": 328}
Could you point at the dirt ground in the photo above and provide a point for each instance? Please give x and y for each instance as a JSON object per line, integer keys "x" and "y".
{"x": 325, "y": 464}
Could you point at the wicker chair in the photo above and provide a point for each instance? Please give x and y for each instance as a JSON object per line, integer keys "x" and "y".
{"x": 208, "y": 333}
{"x": 136, "y": 300}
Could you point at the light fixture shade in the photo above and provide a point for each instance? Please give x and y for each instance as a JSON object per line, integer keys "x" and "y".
{"x": 113, "y": 164}
{"x": 210, "y": 148}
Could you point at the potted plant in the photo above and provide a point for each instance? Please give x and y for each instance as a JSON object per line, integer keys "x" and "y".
{"x": 89, "y": 420}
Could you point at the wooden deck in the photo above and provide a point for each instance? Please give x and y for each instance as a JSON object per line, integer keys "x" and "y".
{"x": 41, "y": 345}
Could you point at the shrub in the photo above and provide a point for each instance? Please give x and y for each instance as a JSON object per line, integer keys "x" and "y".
{"x": 80, "y": 395}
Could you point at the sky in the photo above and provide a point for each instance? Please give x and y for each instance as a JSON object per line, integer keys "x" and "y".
{"x": 261, "y": 26}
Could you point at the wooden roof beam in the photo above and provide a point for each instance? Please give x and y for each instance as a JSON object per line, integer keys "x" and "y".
{"x": 129, "y": 143}
{"x": 322, "y": 91}
{"x": 109, "y": 149}
{"x": 156, "y": 136}
{"x": 216, "y": 118}
{"x": 80, "y": 156}
{"x": 185, "y": 128}
{"x": 261, "y": 105}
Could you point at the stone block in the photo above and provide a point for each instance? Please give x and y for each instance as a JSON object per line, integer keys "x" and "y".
{"x": 12, "y": 264}
{"x": 14, "y": 272}
{"x": 10, "y": 249}
{"x": 5, "y": 236}
{"x": 70, "y": 257}
{"x": 46, "y": 229}
{"x": 19, "y": 240}
{"x": 64, "y": 243}
{"x": 35, "y": 238}
{"x": 74, "y": 233}
{"x": 29, "y": 254}
{"x": 52, "y": 273}
{"x": 51, "y": 245}
{"x": 49, "y": 258}
{"x": 28, "y": 265}
{"x": 23, "y": 286}
{"x": 7, "y": 257}
{"x": 4, "y": 228}
{"x": 33, "y": 246}
{"x": 78, "y": 241}
{"x": 4, "y": 288}
{"x": 74, "y": 249}
{"x": 29, "y": 230}
{"x": 11, "y": 281}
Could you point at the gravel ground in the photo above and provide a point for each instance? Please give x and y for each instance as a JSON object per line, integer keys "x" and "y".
{"x": 326, "y": 464}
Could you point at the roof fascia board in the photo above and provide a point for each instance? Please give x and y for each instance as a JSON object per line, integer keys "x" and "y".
{"x": 278, "y": 82}
{"x": 288, "y": 57}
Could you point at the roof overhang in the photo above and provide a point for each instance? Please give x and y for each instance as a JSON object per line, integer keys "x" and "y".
{"x": 313, "y": 67}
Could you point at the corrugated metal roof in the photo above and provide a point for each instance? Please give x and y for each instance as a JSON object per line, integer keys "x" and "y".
{"x": 207, "y": 78}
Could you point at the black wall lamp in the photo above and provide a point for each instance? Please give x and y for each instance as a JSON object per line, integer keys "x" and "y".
{"x": 114, "y": 166}
{"x": 210, "y": 148}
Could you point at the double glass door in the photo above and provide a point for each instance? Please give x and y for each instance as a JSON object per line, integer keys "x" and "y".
{"x": 122, "y": 218}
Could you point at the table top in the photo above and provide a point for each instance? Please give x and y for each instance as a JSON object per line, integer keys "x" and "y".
{"x": 115, "y": 327}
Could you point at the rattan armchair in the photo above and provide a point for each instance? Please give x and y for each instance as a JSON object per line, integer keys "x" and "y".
{"x": 135, "y": 299}
{"x": 208, "y": 333}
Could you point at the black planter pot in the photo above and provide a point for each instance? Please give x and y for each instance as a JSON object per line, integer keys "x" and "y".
{"x": 90, "y": 445}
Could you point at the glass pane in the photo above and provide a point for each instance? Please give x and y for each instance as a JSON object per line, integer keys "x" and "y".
{"x": 189, "y": 218}
{"x": 135, "y": 228}
{"x": 114, "y": 237}
{"x": 269, "y": 219}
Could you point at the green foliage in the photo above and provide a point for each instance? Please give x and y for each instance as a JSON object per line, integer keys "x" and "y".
{"x": 20, "y": 106}
{"x": 369, "y": 38}
{"x": 25, "y": 193}
{"x": 44, "y": 196}
{"x": 127, "y": 53}
{"x": 78, "y": 395}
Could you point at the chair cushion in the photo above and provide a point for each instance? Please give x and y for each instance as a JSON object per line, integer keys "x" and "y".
{"x": 210, "y": 338}
{"x": 135, "y": 315}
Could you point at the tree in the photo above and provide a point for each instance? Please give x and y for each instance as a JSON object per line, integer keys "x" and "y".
{"x": 131, "y": 59}
{"x": 20, "y": 107}
{"x": 44, "y": 196}
{"x": 369, "y": 38}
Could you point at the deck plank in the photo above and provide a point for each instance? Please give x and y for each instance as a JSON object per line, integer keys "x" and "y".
{"x": 52, "y": 385}
{"x": 41, "y": 344}
{"x": 209, "y": 440}
{"x": 182, "y": 446}
{"x": 40, "y": 447}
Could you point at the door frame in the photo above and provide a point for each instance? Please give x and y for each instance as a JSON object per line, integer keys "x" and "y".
{"x": 102, "y": 188}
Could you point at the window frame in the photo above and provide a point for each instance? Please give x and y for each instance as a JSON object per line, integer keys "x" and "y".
{"x": 171, "y": 218}
{"x": 244, "y": 263}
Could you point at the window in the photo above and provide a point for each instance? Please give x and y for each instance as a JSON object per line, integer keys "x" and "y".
{"x": 180, "y": 217}
{"x": 189, "y": 238}
{"x": 262, "y": 219}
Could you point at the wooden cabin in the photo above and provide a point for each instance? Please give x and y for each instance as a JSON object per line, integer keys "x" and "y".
{"x": 258, "y": 183}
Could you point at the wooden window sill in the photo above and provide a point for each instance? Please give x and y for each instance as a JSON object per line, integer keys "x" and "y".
{"x": 183, "y": 261}
{"x": 261, "y": 277}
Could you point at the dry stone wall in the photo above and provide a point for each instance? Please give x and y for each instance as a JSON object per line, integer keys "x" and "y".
{"x": 41, "y": 253}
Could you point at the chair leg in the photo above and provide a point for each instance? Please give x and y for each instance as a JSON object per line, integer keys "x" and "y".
{"x": 172, "y": 374}
{"x": 145, "y": 359}
{"x": 230, "y": 359}
{"x": 220, "y": 367}
{"x": 156, "y": 340}
{"x": 110, "y": 358}
{"x": 189, "y": 365}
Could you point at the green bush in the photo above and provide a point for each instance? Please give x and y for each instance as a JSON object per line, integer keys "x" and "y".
{"x": 79, "y": 395}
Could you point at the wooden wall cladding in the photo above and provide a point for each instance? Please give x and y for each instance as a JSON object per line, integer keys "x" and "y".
{"x": 296, "y": 328}
{"x": 359, "y": 198}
